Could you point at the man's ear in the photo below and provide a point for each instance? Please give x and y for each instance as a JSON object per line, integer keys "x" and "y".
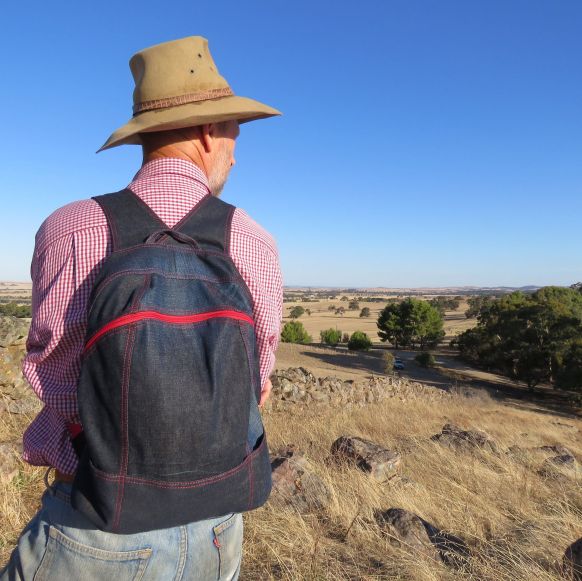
{"x": 208, "y": 132}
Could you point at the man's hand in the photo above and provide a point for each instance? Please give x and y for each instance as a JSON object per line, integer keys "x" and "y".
{"x": 265, "y": 392}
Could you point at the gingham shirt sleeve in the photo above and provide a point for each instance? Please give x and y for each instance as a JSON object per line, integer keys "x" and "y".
{"x": 254, "y": 253}
{"x": 62, "y": 271}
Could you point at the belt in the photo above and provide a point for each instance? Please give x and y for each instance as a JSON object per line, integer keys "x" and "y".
{"x": 59, "y": 477}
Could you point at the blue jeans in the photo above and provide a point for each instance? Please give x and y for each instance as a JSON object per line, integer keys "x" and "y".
{"x": 60, "y": 544}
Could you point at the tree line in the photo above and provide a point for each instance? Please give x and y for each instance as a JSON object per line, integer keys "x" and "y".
{"x": 534, "y": 338}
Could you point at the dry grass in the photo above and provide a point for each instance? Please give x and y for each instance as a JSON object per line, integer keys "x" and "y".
{"x": 516, "y": 522}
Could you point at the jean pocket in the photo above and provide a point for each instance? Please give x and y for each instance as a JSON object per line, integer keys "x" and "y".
{"x": 228, "y": 536}
{"x": 65, "y": 558}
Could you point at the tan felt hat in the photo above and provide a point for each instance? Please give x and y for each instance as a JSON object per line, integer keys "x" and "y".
{"x": 178, "y": 85}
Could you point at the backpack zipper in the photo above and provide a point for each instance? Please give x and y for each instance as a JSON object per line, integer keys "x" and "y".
{"x": 172, "y": 319}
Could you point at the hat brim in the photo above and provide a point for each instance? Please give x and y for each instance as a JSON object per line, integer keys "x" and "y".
{"x": 189, "y": 115}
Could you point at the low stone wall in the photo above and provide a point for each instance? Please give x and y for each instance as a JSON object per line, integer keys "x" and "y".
{"x": 297, "y": 386}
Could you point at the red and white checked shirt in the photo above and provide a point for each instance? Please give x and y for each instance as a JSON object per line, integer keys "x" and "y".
{"x": 70, "y": 247}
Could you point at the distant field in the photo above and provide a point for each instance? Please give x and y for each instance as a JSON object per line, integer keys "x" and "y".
{"x": 19, "y": 292}
{"x": 322, "y": 318}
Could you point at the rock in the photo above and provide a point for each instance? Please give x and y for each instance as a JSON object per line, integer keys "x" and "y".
{"x": 28, "y": 405}
{"x": 463, "y": 440}
{"x": 572, "y": 563}
{"x": 565, "y": 460}
{"x": 409, "y": 530}
{"x": 368, "y": 456}
{"x": 557, "y": 467}
{"x": 295, "y": 484}
{"x": 557, "y": 449}
{"x": 13, "y": 331}
{"x": 423, "y": 538}
{"x": 8, "y": 460}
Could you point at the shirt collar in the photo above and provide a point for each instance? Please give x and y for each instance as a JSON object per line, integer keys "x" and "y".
{"x": 171, "y": 166}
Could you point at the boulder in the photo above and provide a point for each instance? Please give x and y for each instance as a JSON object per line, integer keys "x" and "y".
{"x": 13, "y": 331}
{"x": 558, "y": 468}
{"x": 408, "y": 529}
{"x": 572, "y": 563}
{"x": 464, "y": 440}
{"x": 423, "y": 538}
{"x": 295, "y": 484}
{"x": 370, "y": 457}
{"x": 556, "y": 449}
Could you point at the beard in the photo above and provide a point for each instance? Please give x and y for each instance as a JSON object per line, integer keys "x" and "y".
{"x": 219, "y": 175}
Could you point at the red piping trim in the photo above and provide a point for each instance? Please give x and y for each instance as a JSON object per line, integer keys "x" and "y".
{"x": 172, "y": 319}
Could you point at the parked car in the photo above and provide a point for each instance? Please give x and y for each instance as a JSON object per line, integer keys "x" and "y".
{"x": 398, "y": 365}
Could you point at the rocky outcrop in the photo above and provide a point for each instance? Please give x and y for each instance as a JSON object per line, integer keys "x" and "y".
{"x": 464, "y": 440}
{"x": 422, "y": 538}
{"x": 13, "y": 331}
{"x": 295, "y": 483}
{"x": 298, "y": 387}
{"x": 16, "y": 396}
{"x": 368, "y": 456}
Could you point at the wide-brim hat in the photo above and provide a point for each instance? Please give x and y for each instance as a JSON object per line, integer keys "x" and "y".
{"x": 177, "y": 84}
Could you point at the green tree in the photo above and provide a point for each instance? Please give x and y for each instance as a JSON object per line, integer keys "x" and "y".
{"x": 296, "y": 312}
{"x": 294, "y": 332}
{"x": 425, "y": 359}
{"x": 476, "y": 303}
{"x": 359, "y": 341}
{"x": 527, "y": 337}
{"x": 443, "y": 304}
{"x": 365, "y": 312}
{"x": 412, "y": 322}
{"x": 353, "y": 305}
{"x": 570, "y": 374}
{"x": 330, "y": 336}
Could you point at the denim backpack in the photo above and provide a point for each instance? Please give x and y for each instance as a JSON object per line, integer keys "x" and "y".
{"x": 169, "y": 379}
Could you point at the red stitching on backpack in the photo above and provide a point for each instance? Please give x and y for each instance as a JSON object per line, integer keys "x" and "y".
{"x": 190, "y": 484}
{"x": 165, "y": 318}
{"x": 124, "y": 431}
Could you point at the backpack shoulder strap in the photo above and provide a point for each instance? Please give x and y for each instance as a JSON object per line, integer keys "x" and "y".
{"x": 209, "y": 223}
{"x": 129, "y": 218}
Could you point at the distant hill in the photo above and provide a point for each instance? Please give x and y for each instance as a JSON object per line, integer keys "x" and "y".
{"x": 451, "y": 290}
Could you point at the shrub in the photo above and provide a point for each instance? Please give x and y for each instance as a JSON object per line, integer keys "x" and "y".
{"x": 331, "y": 336}
{"x": 425, "y": 359}
{"x": 296, "y": 312}
{"x": 359, "y": 341}
{"x": 388, "y": 359}
{"x": 365, "y": 312}
{"x": 294, "y": 332}
{"x": 345, "y": 338}
{"x": 15, "y": 310}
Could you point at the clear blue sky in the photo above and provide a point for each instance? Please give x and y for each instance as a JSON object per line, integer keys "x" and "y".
{"x": 423, "y": 142}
